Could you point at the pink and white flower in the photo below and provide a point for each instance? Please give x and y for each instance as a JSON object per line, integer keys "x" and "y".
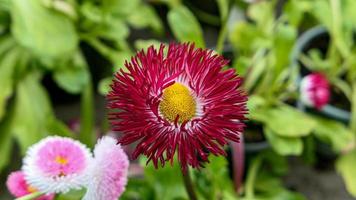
{"x": 315, "y": 90}
{"x": 17, "y": 186}
{"x": 108, "y": 171}
{"x": 57, "y": 165}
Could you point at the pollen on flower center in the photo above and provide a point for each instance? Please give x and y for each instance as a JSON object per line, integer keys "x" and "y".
{"x": 177, "y": 101}
{"x": 31, "y": 189}
{"x": 61, "y": 160}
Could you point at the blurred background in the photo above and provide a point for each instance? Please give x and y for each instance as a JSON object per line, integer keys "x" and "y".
{"x": 57, "y": 59}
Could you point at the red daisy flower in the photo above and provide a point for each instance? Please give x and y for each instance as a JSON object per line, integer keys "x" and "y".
{"x": 177, "y": 100}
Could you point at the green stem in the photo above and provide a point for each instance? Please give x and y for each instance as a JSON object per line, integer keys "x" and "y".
{"x": 223, "y": 31}
{"x": 189, "y": 185}
{"x": 103, "y": 49}
{"x": 221, "y": 38}
{"x": 353, "y": 109}
{"x": 337, "y": 27}
{"x": 251, "y": 177}
{"x": 30, "y": 196}
{"x": 87, "y": 115}
{"x": 204, "y": 16}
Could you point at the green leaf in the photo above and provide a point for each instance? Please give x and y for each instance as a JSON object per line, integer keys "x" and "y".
{"x": 185, "y": 26}
{"x": 57, "y": 127}
{"x": 91, "y": 12}
{"x": 349, "y": 12}
{"x": 6, "y": 140}
{"x": 46, "y": 33}
{"x": 315, "y": 61}
{"x": 64, "y": 7}
{"x": 167, "y": 181}
{"x": 104, "y": 85}
{"x": 277, "y": 164}
{"x": 4, "y": 5}
{"x": 263, "y": 14}
{"x": 254, "y": 102}
{"x": 119, "y": 60}
{"x": 115, "y": 29}
{"x": 295, "y": 10}
{"x": 333, "y": 132}
{"x": 120, "y": 7}
{"x": 6, "y": 43}
{"x": 255, "y": 74}
{"x": 260, "y": 114}
{"x": 286, "y": 195}
{"x": 345, "y": 165}
{"x": 241, "y": 64}
{"x": 284, "y": 145}
{"x": 138, "y": 188}
{"x": 322, "y": 11}
{"x": 32, "y": 111}
{"x": 244, "y": 36}
{"x": 71, "y": 195}
{"x": 284, "y": 41}
{"x": 271, "y": 187}
{"x": 72, "y": 75}
{"x": 7, "y": 67}
{"x": 267, "y": 183}
{"x": 145, "y": 16}
{"x": 214, "y": 179}
{"x": 286, "y": 121}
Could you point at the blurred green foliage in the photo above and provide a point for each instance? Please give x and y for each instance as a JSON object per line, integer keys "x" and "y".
{"x": 41, "y": 38}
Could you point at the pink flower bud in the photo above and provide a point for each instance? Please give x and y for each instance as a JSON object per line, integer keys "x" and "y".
{"x": 315, "y": 90}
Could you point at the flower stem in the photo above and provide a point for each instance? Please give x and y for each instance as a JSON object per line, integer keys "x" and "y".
{"x": 87, "y": 115}
{"x": 30, "y": 196}
{"x": 251, "y": 177}
{"x": 221, "y": 38}
{"x": 189, "y": 185}
{"x": 353, "y": 109}
{"x": 223, "y": 32}
{"x": 238, "y": 153}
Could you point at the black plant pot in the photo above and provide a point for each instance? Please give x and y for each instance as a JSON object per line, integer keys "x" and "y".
{"x": 318, "y": 38}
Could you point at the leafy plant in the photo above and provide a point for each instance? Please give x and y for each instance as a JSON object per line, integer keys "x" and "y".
{"x": 44, "y": 38}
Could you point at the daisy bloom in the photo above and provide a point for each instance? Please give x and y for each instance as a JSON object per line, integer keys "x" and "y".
{"x": 57, "y": 165}
{"x": 17, "y": 186}
{"x": 177, "y": 99}
{"x": 108, "y": 171}
{"x": 315, "y": 90}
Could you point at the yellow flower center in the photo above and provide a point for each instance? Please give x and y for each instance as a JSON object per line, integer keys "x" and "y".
{"x": 31, "y": 189}
{"x": 177, "y": 101}
{"x": 61, "y": 160}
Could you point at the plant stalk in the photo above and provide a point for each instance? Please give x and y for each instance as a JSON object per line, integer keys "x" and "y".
{"x": 353, "y": 108}
{"x": 223, "y": 31}
{"x": 251, "y": 177}
{"x": 188, "y": 184}
{"x": 86, "y": 134}
{"x": 238, "y": 153}
{"x": 221, "y": 38}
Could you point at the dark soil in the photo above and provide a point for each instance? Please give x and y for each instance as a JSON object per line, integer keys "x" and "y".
{"x": 316, "y": 184}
